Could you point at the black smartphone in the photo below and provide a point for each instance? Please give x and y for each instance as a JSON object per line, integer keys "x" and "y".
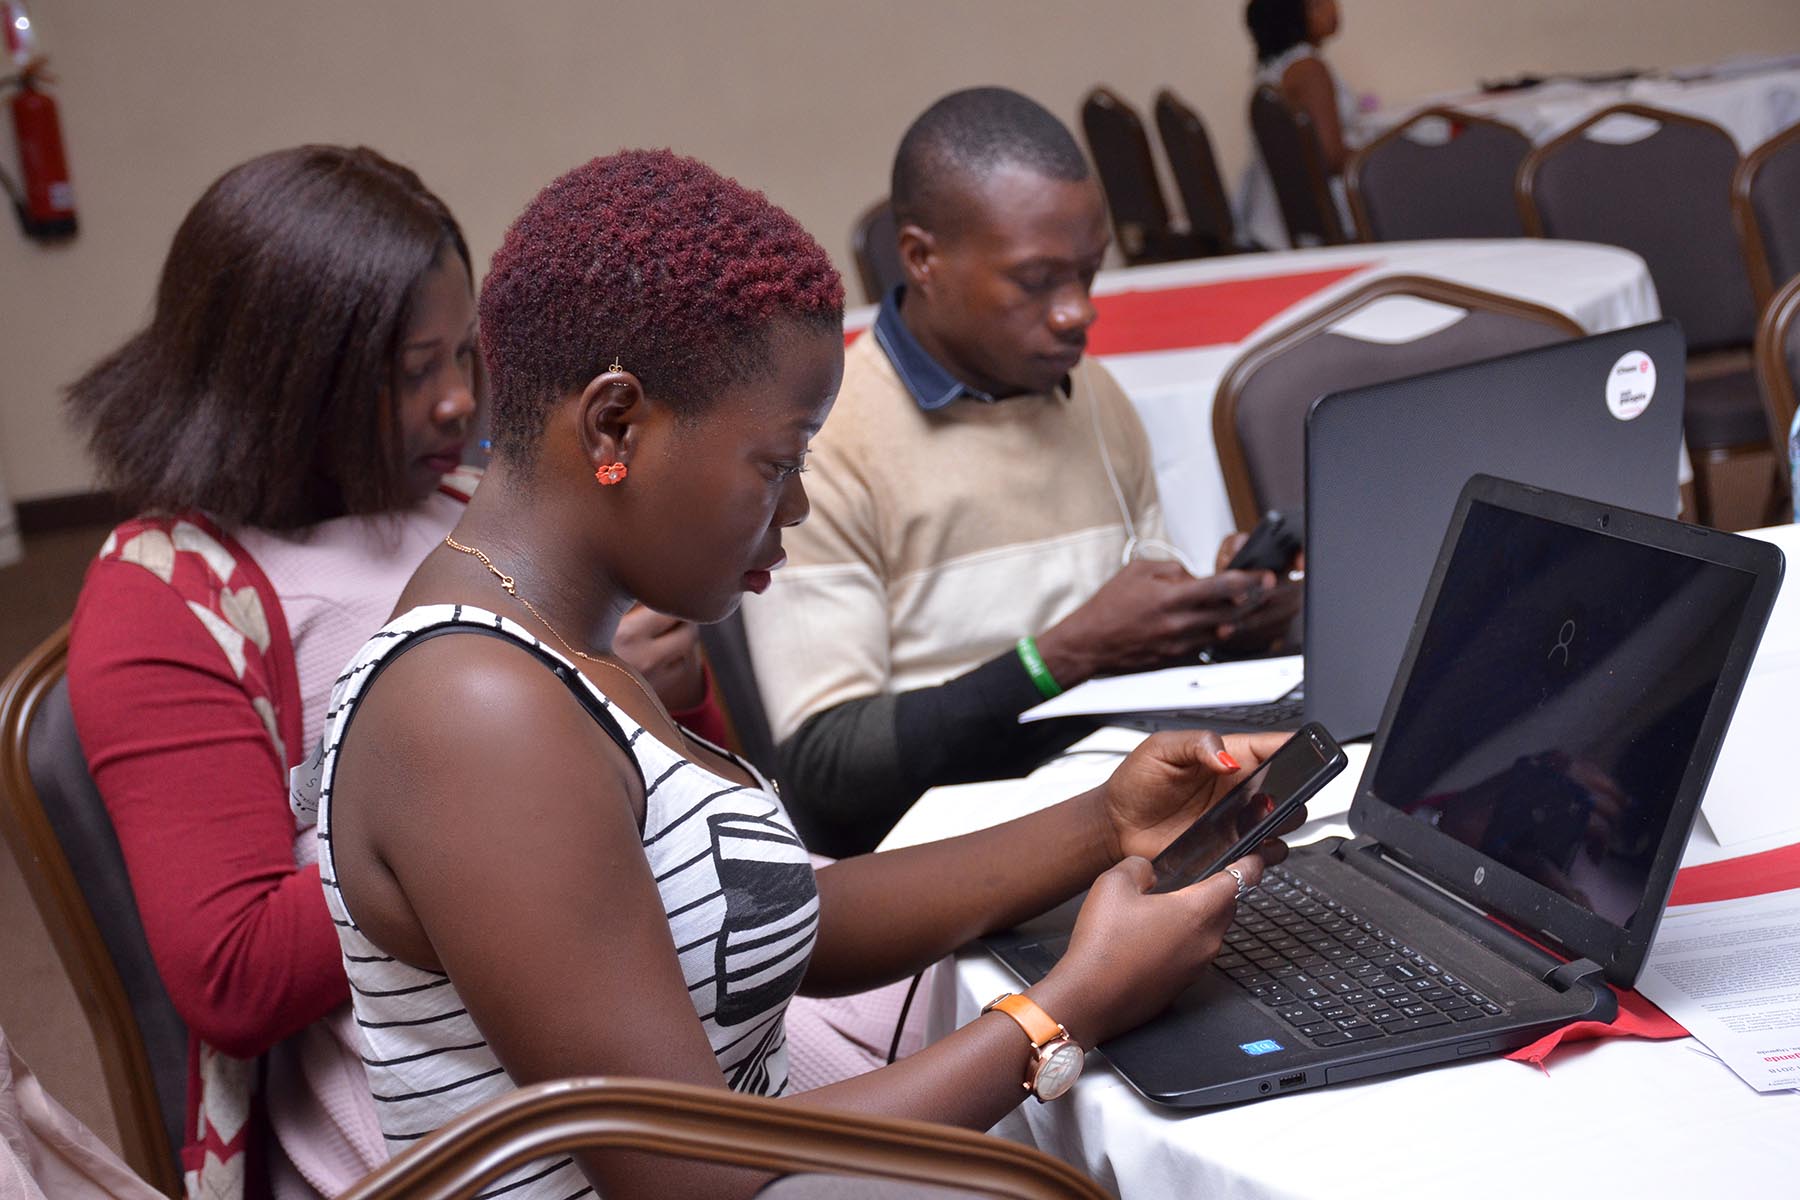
{"x": 1272, "y": 546}
{"x": 1252, "y": 810}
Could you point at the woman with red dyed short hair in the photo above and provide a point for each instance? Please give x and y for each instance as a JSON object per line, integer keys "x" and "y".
{"x": 534, "y": 873}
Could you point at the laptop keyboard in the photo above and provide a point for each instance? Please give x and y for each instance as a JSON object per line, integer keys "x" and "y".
{"x": 1334, "y": 976}
{"x": 1287, "y": 711}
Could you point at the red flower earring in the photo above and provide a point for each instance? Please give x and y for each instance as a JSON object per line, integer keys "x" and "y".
{"x": 612, "y": 472}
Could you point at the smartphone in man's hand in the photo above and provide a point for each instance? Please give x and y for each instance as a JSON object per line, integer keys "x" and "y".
{"x": 1272, "y": 546}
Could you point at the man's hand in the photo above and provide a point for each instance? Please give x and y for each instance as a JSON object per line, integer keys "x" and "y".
{"x": 1150, "y": 614}
{"x": 666, "y": 651}
{"x": 1265, "y": 628}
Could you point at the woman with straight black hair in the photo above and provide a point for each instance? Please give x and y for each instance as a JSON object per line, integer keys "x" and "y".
{"x": 289, "y": 428}
{"x": 1288, "y": 35}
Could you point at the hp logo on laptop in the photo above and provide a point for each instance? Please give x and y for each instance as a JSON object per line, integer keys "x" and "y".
{"x": 1480, "y": 874}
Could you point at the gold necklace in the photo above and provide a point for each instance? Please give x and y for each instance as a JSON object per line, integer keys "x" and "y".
{"x": 506, "y": 582}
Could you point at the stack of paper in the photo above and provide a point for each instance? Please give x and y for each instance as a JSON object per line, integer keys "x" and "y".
{"x": 1257, "y": 681}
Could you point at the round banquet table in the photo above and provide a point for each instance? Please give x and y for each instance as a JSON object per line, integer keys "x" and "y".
{"x": 1169, "y": 332}
{"x": 1753, "y": 100}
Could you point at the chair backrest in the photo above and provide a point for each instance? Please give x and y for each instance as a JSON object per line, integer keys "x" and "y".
{"x": 1290, "y": 151}
{"x": 875, "y": 243}
{"x": 1259, "y": 412}
{"x": 1190, "y": 154}
{"x": 1439, "y": 174}
{"x": 1666, "y": 196}
{"x": 728, "y": 651}
{"x": 1121, "y": 153}
{"x": 52, "y": 815}
{"x": 715, "y": 1125}
{"x": 1765, "y": 199}
{"x": 1778, "y": 371}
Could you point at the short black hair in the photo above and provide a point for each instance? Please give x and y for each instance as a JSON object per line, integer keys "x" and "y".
{"x": 1277, "y": 25}
{"x": 969, "y": 134}
{"x": 259, "y": 392}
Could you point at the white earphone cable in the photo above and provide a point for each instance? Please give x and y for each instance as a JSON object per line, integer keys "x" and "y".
{"x": 1133, "y": 543}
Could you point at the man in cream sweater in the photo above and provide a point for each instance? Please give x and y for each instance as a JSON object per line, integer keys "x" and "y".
{"x": 985, "y": 528}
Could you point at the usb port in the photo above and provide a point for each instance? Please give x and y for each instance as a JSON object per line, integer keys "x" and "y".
{"x": 1294, "y": 1080}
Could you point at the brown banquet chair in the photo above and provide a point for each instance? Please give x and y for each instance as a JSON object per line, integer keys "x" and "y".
{"x": 1290, "y": 151}
{"x": 1765, "y": 200}
{"x": 821, "y": 1153}
{"x": 52, "y": 816}
{"x": 1778, "y": 373}
{"x": 1667, "y": 197}
{"x": 1259, "y": 411}
{"x": 1121, "y": 152}
{"x": 1190, "y": 154}
{"x": 874, "y": 243}
{"x": 1404, "y": 187}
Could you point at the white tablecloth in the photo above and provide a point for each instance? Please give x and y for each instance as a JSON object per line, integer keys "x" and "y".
{"x": 1753, "y": 102}
{"x": 1618, "y": 1117}
{"x": 1601, "y": 287}
{"x": 1752, "y": 98}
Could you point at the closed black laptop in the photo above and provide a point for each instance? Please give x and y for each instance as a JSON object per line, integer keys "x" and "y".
{"x": 1598, "y": 417}
{"x": 1539, "y": 762}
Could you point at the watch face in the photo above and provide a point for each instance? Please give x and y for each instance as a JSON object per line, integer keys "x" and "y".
{"x": 1057, "y": 1070}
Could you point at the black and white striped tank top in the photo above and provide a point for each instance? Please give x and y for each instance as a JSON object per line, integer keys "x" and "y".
{"x": 735, "y": 882}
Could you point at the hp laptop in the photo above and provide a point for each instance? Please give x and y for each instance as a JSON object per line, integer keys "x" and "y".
{"x": 1538, "y": 766}
{"x": 1598, "y": 417}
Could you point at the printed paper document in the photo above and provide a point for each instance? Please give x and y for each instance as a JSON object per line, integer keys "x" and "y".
{"x": 1255, "y": 681}
{"x": 1730, "y": 973}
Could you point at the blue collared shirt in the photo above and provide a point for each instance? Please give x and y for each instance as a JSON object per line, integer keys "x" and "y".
{"x": 932, "y": 387}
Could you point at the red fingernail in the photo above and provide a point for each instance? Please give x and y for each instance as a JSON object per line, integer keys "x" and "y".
{"x": 1226, "y": 761}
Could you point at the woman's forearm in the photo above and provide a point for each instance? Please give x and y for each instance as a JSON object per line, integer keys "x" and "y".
{"x": 885, "y": 916}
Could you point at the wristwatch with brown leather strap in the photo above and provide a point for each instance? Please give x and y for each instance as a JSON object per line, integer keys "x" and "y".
{"x": 1056, "y": 1059}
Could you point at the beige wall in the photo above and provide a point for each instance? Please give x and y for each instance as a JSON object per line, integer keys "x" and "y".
{"x": 804, "y": 98}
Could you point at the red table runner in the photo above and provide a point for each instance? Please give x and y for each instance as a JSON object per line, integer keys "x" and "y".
{"x": 1729, "y": 879}
{"x": 1197, "y": 314}
{"x": 1201, "y": 314}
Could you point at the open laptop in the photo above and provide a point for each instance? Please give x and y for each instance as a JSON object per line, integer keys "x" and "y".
{"x": 1598, "y": 417}
{"x": 1540, "y": 761}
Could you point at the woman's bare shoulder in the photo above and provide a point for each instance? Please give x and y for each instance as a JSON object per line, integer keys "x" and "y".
{"x": 469, "y": 711}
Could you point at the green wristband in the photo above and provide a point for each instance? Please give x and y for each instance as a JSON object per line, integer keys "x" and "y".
{"x": 1034, "y": 667}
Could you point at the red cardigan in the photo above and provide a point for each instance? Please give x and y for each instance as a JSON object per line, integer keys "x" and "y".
{"x": 166, "y": 702}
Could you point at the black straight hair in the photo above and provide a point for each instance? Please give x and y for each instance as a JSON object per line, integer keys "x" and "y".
{"x": 261, "y": 392}
{"x": 1277, "y": 25}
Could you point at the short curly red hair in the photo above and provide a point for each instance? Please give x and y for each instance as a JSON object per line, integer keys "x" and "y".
{"x": 653, "y": 258}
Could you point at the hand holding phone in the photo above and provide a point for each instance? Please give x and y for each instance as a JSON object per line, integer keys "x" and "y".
{"x": 1251, "y": 811}
{"x": 1271, "y": 546}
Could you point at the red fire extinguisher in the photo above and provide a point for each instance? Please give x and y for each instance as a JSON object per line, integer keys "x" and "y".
{"x": 45, "y": 202}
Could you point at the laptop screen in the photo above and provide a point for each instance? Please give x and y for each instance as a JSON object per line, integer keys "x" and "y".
{"x": 1555, "y": 701}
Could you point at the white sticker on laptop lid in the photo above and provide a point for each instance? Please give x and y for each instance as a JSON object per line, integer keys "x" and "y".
{"x": 1631, "y": 385}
